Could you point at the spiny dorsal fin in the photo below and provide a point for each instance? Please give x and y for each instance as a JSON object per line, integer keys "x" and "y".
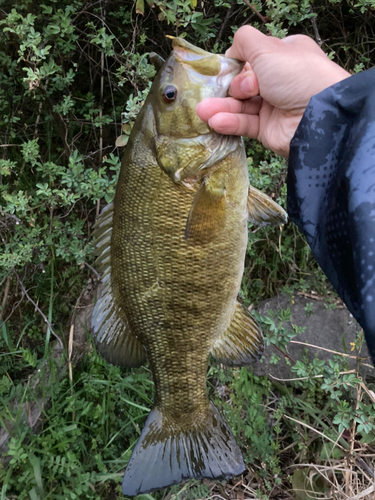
{"x": 109, "y": 326}
{"x": 242, "y": 342}
{"x": 262, "y": 210}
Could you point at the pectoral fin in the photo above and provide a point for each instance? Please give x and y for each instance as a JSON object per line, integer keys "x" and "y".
{"x": 242, "y": 342}
{"x": 262, "y": 210}
{"x": 208, "y": 211}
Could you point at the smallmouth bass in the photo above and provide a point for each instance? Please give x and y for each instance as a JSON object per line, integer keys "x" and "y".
{"x": 171, "y": 248}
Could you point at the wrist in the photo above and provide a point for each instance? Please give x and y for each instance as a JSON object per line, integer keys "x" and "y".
{"x": 330, "y": 74}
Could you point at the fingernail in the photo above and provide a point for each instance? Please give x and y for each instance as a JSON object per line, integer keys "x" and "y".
{"x": 247, "y": 85}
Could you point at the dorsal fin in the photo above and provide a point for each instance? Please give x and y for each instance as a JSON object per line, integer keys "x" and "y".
{"x": 109, "y": 326}
{"x": 263, "y": 210}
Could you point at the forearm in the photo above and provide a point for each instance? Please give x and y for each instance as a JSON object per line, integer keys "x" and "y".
{"x": 331, "y": 190}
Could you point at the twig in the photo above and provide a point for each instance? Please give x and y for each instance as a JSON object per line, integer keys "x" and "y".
{"x": 322, "y": 467}
{"x": 15, "y": 305}
{"x": 315, "y": 430}
{"x": 70, "y": 367}
{"x": 364, "y": 493}
{"x": 262, "y": 18}
{"x": 370, "y": 394}
{"x": 5, "y": 298}
{"x": 306, "y": 378}
{"x": 353, "y": 430}
{"x": 362, "y": 465}
{"x": 37, "y": 121}
{"x": 70, "y": 352}
{"x": 329, "y": 350}
{"x": 328, "y": 479}
{"x": 93, "y": 270}
{"x": 39, "y": 310}
{"x": 224, "y": 24}
{"x": 215, "y": 496}
{"x": 316, "y": 31}
{"x": 285, "y": 354}
{"x": 313, "y": 295}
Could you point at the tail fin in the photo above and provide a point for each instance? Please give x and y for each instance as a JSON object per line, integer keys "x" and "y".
{"x": 166, "y": 455}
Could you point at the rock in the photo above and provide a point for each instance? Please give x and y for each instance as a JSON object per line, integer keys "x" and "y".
{"x": 326, "y": 327}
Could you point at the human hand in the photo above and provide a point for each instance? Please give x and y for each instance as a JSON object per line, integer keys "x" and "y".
{"x": 269, "y": 97}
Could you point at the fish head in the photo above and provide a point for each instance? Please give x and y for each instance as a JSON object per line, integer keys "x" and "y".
{"x": 185, "y": 145}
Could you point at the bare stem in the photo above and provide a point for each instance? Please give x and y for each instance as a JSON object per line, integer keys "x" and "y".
{"x": 39, "y": 310}
{"x": 255, "y": 10}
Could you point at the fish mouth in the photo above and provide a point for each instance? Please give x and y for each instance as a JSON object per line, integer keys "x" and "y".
{"x": 205, "y": 63}
{"x": 229, "y": 68}
{"x": 187, "y": 47}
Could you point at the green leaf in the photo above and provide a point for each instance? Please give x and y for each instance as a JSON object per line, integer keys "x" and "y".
{"x": 140, "y": 7}
{"x": 29, "y": 357}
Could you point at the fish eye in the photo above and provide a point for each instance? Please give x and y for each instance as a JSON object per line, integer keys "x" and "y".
{"x": 169, "y": 94}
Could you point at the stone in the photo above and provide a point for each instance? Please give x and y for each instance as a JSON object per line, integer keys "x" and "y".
{"x": 325, "y": 327}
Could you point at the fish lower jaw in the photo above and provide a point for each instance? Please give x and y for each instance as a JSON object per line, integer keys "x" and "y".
{"x": 189, "y": 183}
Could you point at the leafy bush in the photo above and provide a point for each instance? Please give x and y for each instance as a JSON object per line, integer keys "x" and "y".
{"x": 73, "y": 77}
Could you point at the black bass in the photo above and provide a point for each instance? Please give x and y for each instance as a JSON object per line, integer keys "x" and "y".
{"x": 171, "y": 247}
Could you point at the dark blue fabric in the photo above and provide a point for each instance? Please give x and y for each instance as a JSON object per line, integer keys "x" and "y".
{"x": 331, "y": 191}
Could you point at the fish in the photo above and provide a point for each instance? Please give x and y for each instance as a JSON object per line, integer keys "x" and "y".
{"x": 171, "y": 249}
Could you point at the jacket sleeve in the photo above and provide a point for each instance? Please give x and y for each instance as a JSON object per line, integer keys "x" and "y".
{"x": 331, "y": 191}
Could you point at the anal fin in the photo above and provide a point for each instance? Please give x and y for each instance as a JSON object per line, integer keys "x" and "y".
{"x": 109, "y": 326}
{"x": 263, "y": 210}
{"x": 242, "y": 342}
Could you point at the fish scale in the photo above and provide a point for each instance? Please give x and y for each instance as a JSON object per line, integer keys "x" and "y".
{"x": 177, "y": 249}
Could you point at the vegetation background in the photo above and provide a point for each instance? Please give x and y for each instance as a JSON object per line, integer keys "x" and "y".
{"x": 74, "y": 74}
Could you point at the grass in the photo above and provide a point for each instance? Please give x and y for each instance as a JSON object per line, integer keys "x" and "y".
{"x": 295, "y": 442}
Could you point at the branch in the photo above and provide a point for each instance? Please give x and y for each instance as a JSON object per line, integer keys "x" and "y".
{"x": 264, "y": 19}
{"x": 39, "y": 310}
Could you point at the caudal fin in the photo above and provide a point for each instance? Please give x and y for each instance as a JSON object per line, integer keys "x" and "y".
{"x": 165, "y": 455}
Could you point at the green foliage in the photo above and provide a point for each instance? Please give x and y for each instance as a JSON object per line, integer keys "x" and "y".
{"x": 92, "y": 425}
{"x": 278, "y": 334}
{"x": 249, "y": 399}
{"x": 74, "y": 75}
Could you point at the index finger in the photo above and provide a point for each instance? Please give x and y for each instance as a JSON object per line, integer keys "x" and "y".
{"x": 248, "y": 43}
{"x": 213, "y": 105}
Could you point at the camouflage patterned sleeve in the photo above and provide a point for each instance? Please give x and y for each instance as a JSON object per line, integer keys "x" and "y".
{"x": 331, "y": 191}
